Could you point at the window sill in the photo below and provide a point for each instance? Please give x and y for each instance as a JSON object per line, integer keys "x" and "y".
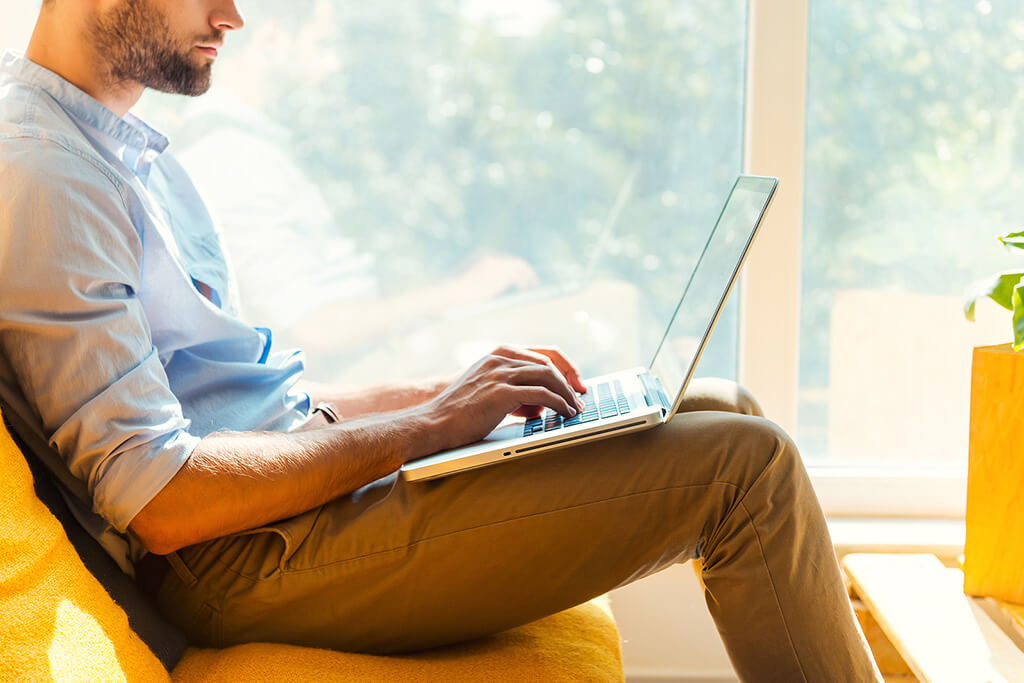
{"x": 941, "y": 537}
{"x": 891, "y": 492}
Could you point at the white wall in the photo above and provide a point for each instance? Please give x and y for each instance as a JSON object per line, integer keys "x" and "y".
{"x": 667, "y": 632}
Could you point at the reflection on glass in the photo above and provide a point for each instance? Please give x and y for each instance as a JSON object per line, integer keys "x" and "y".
{"x": 389, "y": 175}
{"x": 711, "y": 280}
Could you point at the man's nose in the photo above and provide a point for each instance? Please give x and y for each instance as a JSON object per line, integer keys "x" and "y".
{"x": 227, "y": 17}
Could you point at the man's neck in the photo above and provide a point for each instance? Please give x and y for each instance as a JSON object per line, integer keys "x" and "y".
{"x": 59, "y": 46}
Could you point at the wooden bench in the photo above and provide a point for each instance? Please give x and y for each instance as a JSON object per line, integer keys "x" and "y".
{"x": 921, "y": 626}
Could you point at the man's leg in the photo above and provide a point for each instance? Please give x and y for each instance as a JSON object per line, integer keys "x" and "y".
{"x": 398, "y": 567}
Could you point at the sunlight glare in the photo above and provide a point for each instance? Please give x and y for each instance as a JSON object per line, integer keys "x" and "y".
{"x": 523, "y": 18}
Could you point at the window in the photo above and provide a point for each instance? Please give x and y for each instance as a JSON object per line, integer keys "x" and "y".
{"x": 448, "y": 176}
{"x": 911, "y": 172}
{"x": 906, "y": 172}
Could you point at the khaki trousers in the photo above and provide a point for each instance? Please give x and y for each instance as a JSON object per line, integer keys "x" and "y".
{"x": 397, "y": 567}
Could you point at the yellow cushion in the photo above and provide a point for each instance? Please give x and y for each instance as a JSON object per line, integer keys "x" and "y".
{"x": 580, "y": 644}
{"x": 56, "y": 620}
{"x": 57, "y": 623}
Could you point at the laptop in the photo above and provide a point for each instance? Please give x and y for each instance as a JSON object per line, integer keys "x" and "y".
{"x": 639, "y": 398}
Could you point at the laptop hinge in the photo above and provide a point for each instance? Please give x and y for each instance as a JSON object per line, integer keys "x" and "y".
{"x": 653, "y": 393}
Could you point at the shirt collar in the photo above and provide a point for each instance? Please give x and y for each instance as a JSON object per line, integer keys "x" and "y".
{"x": 129, "y": 138}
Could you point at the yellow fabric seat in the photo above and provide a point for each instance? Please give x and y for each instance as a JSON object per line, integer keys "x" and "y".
{"x": 59, "y": 624}
{"x": 580, "y": 644}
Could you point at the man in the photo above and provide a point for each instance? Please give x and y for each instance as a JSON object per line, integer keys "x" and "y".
{"x": 120, "y": 345}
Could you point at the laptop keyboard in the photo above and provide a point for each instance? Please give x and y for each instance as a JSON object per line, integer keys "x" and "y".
{"x": 604, "y": 400}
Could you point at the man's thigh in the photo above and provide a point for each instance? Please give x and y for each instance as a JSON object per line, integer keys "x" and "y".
{"x": 399, "y": 566}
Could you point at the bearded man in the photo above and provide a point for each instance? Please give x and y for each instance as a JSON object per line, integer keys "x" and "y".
{"x": 210, "y": 474}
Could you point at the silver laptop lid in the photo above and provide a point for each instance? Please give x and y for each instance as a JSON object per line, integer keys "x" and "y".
{"x": 710, "y": 283}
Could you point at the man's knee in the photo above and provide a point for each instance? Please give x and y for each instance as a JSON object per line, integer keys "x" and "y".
{"x": 774, "y": 449}
{"x": 772, "y": 490}
{"x": 733, "y": 443}
{"x": 714, "y": 393}
{"x": 746, "y": 402}
{"x": 778, "y": 491}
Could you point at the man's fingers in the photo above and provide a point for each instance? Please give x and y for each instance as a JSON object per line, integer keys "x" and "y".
{"x": 508, "y": 381}
{"x": 546, "y": 355}
{"x": 521, "y": 353}
{"x": 568, "y": 370}
{"x": 532, "y": 356}
{"x": 529, "y": 396}
{"x": 545, "y": 376}
{"x": 528, "y": 411}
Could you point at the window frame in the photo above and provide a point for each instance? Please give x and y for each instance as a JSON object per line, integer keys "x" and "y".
{"x": 769, "y": 311}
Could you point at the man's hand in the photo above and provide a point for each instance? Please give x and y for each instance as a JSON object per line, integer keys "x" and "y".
{"x": 510, "y": 380}
{"x": 547, "y": 355}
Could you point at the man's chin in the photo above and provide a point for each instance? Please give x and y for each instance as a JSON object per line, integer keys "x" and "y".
{"x": 199, "y": 88}
{"x": 191, "y": 87}
{"x": 202, "y": 82}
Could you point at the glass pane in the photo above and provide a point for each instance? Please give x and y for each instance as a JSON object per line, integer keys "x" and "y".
{"x": 911, "y": 171}
{"x": 404, "y": 185}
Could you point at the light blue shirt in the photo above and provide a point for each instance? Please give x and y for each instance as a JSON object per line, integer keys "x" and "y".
{"x": 107, "y": 347}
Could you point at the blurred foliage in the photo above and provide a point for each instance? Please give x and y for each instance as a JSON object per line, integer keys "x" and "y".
{"x": 437, "y": 131}
{"x": 912, "y": 153}
{"x": 450, "y": 135}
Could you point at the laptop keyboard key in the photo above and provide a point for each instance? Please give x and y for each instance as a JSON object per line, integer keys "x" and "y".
{"x": 533, "y": 425}
{"x": 605, "y": 400}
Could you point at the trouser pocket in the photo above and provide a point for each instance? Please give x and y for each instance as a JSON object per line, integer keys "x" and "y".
{"x": 264, "y": 551}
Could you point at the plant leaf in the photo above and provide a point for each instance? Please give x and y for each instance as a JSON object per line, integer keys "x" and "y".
{"x": 999, "y": 288}
{"x": 1018, "y": 317}
{"x": 1014, "y": 240}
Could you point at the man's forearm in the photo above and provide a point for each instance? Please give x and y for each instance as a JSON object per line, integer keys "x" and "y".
{"x": 237, "y": 481}
{"x": 357, "y": 402}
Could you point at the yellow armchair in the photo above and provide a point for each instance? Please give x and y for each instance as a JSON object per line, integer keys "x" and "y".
{"x": 59, "y": 624}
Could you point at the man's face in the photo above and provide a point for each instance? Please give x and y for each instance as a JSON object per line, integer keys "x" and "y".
{"x": 143, "y": 43}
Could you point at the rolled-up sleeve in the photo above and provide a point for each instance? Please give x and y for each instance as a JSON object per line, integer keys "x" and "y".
{"x": 74, "y": 332}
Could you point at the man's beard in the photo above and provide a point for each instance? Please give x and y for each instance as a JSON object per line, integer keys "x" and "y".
{"x": 135, "y": 40}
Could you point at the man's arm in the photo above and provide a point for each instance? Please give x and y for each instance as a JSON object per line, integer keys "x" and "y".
{"x": 238, "y": 481}
{"x": 350, "y": 402}
{"x": 75, "y": 340}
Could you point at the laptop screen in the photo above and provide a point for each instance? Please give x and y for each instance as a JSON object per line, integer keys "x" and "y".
{"x": 710, "y": 282}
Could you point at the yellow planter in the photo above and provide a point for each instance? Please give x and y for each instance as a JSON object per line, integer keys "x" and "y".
{"x": 994, "y": 550}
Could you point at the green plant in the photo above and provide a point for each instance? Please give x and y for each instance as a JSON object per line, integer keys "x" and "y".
{"x": 1005, "y": 289}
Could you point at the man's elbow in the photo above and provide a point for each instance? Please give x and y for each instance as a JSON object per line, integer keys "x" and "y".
{"x": 156, "y": 534}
